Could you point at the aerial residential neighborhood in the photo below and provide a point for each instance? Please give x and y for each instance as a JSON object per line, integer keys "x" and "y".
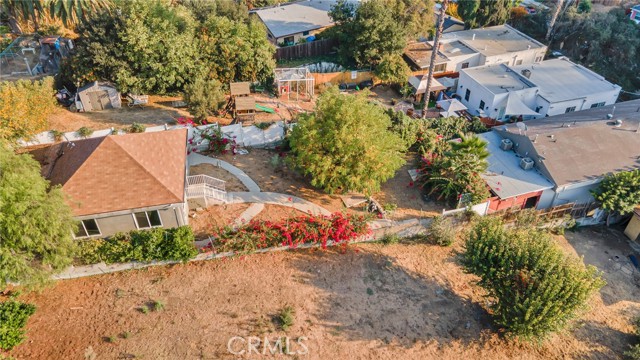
{"x": 319, "y": 179}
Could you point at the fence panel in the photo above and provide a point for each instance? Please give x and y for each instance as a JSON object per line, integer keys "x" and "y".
{"x": 310, "y": 49}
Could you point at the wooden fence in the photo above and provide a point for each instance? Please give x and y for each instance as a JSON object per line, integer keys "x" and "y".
{"x": 310, "y": 49}
{"x": 575, "y": 210}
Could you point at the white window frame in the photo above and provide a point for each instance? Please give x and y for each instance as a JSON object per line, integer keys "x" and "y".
{"x": 146, "y": 213}
{"x": 435, "y": 68}
{"x": 87, "y": 232}
{"x": 570, "y": 109}
{"x": 597, "y": 105}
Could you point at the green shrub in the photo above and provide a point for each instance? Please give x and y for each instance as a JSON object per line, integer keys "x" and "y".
{"x": 136, "y": 128}
{"x": 158, "y": 305}
{"x": 442, "y": 232}
{"x": 634, "y": 351}
{"x": 57, "y": 135}
{"x": 390, "y": 239}
{"x": 287, "y": 317}
{"x": 263, "y": 125}
{"x": 536, "y": 288}
{"x": 84, "y": 132}
{"x": 13, "y": 319}
{"x": 140, "y": 245}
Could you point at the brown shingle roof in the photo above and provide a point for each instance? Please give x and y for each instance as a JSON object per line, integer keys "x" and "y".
{"x": 119, "y": 172}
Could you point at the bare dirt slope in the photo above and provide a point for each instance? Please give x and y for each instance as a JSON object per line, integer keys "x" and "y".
{"x": 373, "y": 302}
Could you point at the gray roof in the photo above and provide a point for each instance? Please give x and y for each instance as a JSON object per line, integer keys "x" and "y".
{"x": 504, "y": 175}
{"x": 494, "y": 40}
{"x": 498, "y": 79}
{"x": 420, "y": 52}
{"x": 585, "y": 144}
{"x": 561, "y": 80}
{"x": 293, "y": 18}
{"x": 449, "y": 21}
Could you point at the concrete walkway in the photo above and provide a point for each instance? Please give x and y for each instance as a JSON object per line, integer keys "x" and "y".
{"x": 278, "y": 199}
{"x": 196, "y": 159}
{"x": 248, "y": 214}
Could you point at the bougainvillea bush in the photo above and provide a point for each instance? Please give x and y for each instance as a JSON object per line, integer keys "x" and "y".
{"x": 219, "y": 143}
{"x": 292, "y": 232}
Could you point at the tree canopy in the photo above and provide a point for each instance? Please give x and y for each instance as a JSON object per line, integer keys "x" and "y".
{"x": 70, "y": 12}
{"x": 25, "y": 107}
{"x": 476, "y": 13}
{"x": 346, "y": 145}
{"x": 536, "y": 289}
{"x": 36, "y": 225}
{"x": 619, "y": 192}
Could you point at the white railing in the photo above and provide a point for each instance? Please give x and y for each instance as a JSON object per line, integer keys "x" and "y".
{"x": 203, "y": 186}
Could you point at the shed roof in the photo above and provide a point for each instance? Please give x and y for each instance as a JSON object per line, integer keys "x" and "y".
{"x": 419, "y": 84}
{"x": 584, "y": 145}
{"x": 293, "y": 18}
{"x": 240, "y": 88}
{"x": 94, "y": 84}
{"x": 494, "y": 40}
{"x": 118, "y": 172}
{"x": 504, "y": 175}
{"x": 561, "y": 80}
{"x": 245, "y": 103}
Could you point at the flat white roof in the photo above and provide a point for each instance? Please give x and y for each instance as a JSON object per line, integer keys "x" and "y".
{"x": 494, "y": 40}
{"x": 504, "y": 175}
{"x": 561, "y": 80}
{"x": 293, "y": 18}
{"x": 498, "y": 79}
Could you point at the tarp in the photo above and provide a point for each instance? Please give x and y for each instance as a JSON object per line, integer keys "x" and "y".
{"x": 514, "y": 106}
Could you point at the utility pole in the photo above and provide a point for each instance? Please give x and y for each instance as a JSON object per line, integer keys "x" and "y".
{"x": 434, "y": 55}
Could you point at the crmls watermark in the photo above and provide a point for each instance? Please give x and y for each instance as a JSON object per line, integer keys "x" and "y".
{"x": 239, "y": 345}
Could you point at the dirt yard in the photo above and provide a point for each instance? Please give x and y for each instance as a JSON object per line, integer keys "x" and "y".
{"x": 204, "y": 221}
{"x": 399, "y": 190}
{"x": 232, "y": 183}
{"x": 404, "y": 301}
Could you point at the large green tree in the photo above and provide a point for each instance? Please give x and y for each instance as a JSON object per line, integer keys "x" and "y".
{"x": 69, "y": 12}
{"x": 25, "y": 107}
{"x": 204, "y": 97}
{"x": 236, "y": 50}
{"x": 534, "y": 287}
{"x": 36, "y": 225}
{"x": 147, "y": 47}
{"x": 619, "y": 193}
{"x": 346, "y": 145}
{"x": 476, "y": 13}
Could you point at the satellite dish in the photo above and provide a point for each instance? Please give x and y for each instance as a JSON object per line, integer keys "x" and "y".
{"x": 522, "y": 126}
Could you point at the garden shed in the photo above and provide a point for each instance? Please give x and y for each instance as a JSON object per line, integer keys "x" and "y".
{"x": 98, "y": 96}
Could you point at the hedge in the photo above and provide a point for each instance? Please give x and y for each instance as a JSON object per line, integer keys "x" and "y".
{"x": 13, "y": 319}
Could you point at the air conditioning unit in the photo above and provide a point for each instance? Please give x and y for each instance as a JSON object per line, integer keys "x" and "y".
{"x": 526, "y": 163}
{"x": 506, "y": 144}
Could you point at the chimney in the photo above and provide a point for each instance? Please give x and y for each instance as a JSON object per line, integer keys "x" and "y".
{"x": 526, "y": 73}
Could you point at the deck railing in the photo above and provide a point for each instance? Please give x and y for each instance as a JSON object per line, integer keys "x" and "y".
{"x": 206, "y": 186}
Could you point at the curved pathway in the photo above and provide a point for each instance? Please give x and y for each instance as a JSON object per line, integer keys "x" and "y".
{"x": 255, "y": 195}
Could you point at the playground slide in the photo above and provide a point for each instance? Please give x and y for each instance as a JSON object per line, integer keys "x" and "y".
{"x": 265, "y": 109}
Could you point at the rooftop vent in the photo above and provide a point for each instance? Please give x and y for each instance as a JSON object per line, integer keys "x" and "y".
{"x": 618, "y": 123}
{"x": 526, "y": 163}
{"x": 506, "y": 144}
{"x": 526, "y": 73}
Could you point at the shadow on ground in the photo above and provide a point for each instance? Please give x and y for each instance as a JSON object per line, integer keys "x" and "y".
{"x": 369, "y": 297}
{"x": 611, "y": 343}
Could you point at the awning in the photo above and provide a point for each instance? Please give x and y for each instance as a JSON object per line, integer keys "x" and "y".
{"x": 451, "y": 105}
{"x": 514, "y": 106}
{"x": 447, "y": 81}
{"x": 419, "y": 84}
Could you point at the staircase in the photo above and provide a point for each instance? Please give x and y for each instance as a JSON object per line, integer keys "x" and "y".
{"x": 207, "y": 187}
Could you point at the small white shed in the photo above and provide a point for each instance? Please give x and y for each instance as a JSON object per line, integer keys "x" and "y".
{"x": 98, "y": 96}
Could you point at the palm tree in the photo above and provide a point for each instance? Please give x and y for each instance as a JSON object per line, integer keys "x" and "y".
{"x": 70, "y": 12}
{"x": 434, "y": 53}
{"x": 554, "y": 17}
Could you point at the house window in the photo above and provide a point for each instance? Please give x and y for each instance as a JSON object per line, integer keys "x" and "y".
{"x": 481, "y": 104}
{"x": 440, "y": 68}
{"x": 519, "y": 62}
{"x": 538, "y": 59}
{"x": 305, "y": 33}
{"x": 570, "y": 109}
{"x": 600, "y": 104}
{"x": 464, "y": 65}
{"x": 467, "y": 94}
{"x": 288, "y": 40}
{"x": 88, "y": 227}
{"x": 147, "y": 219}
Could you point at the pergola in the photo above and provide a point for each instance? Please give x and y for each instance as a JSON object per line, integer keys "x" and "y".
{"x": 299, "y": 80}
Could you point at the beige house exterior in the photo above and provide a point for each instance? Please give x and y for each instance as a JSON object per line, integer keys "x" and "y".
{"x": 120, "y": 183}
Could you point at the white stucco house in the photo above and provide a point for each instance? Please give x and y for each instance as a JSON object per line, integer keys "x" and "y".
{"x": 459, "y": 50}
{"x": 534, "y": 90}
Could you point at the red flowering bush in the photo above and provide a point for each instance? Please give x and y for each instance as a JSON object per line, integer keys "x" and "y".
{"x": 185, "y": 121}
{"x": 306, "y": 229}
{"x": 218, "y": 142}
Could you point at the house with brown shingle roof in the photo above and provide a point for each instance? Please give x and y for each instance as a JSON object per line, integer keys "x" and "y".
{"x": 119, "y": 183}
